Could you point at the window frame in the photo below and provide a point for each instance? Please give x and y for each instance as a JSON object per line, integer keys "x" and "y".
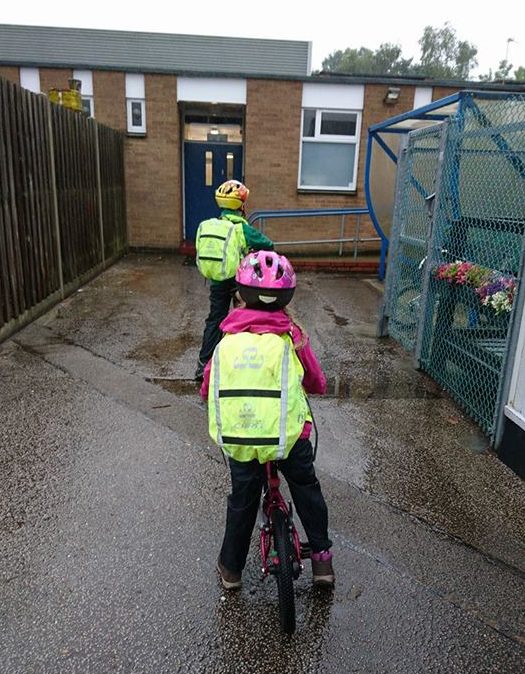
{"x": 319, "y": 137}
{"x": 91, "y": 101}
{"x": 132, "y": 129}
{"x": 135, "y": 93}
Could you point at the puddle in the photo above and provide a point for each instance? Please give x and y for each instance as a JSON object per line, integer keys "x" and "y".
{"x": 337, "y": 387}
{"x": 339, "y": 320}
{"x": 163, "y": 349}
{"x": 343, "y": 387}
{"x": 178, "y": 386}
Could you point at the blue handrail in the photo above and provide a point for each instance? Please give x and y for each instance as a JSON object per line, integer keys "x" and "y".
{"x": 289, "y": 213}
{"x": 261, "y": 215}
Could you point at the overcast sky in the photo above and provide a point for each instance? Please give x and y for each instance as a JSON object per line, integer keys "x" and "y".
{"x": 329, "y": 25}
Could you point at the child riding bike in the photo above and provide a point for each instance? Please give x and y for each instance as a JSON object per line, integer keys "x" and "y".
{"x": 255, "y": 384}
{"x": 221, "y": 243}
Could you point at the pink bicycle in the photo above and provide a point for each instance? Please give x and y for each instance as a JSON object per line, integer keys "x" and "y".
{"x": 281, "y": 549}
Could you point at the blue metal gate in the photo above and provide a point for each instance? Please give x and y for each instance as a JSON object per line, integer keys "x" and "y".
{"x": 415, "y": 187}
{"x": 453, "y": 278}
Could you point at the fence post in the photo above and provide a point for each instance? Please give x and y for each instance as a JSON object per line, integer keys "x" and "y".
{"x": 433, "y": 252}
{"x": 55, "y": 197}
{"x": 99, "y": 192}
{"x": 357, "y": 234}
{"x": 342, "y": 234}
{"x": 388, "y": 279}
{"x": 510, "y": 354}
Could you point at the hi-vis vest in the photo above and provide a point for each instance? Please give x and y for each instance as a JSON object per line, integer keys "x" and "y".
{"x": 220, "y": 245}
{"x": 256, "y": 403}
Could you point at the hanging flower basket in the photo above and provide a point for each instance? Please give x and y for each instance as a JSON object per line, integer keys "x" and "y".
{"x": 493, "y": 288}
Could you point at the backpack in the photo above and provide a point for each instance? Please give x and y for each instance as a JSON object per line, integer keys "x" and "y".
{"x": 257, "y": 406}
{"x": 220, "y": 245}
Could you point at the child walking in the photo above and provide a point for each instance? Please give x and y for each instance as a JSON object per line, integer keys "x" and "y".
{"x": 265, "y": 356}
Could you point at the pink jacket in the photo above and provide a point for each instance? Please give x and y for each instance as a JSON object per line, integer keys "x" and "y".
{"x": 279, "y": 323}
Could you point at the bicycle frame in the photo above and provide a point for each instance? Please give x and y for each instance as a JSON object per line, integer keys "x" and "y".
{"x": 272, "y": 500}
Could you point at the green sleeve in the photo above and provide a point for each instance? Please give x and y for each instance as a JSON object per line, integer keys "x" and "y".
{"x": 255, "y": 239}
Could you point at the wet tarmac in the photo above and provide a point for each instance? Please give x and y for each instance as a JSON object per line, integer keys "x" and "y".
{"x": 112, "y": 500}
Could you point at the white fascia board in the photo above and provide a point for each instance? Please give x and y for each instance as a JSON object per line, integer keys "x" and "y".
{"x": 422, "y": 97}
{"x": 135, "y": 87}
{"x": 86, "y": 78}
{"x": 334, "y": 96}
{"x": 211, "y": 90}
{"x": 30, "y": 79}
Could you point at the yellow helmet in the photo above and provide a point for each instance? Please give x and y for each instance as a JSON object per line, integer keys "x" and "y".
{"x": 232, "y": 195}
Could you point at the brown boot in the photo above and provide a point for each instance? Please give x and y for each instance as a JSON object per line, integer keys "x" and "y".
{"x": 322, "y": 569}
{"x": 231, "y": 580}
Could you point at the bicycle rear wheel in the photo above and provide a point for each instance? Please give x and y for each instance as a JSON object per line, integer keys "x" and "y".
{"x": 285, "y": 552}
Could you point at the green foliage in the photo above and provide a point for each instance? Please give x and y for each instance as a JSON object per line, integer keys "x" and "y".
{"x": 503, "y": 73}
{"x": 442, "y": 56}
{"x": 383, "y": 61}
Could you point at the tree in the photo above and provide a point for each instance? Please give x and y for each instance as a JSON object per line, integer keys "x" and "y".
{"x": 519, "y": 74}
{"x": 503, "y": 72}
{"x": 386, "y": 60}
{"x": 444, "y": 56}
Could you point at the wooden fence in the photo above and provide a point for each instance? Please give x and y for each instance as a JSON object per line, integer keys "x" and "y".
{"x": 62, "y": 203}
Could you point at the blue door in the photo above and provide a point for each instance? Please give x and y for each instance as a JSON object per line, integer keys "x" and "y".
{"x": 206, "y": 166}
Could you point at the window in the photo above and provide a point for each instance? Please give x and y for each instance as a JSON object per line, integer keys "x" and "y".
{"x": 212, "y": 128}
{"x": 30, "y": 79}
{"x": 136, "y": 103}
{"x": 329, "y": 149}
{"x": 86, "y": 90}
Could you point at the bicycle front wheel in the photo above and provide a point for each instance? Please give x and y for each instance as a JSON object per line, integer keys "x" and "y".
{"x": 285, "y": 552}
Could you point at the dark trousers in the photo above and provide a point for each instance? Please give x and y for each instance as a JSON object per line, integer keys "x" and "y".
{"x": 243, "y": 503}
{"x": 221, "y": 295}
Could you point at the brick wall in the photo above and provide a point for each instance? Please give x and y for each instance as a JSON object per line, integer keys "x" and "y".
{"x": 273, "y": 122}
{"x": 153, "y": 170}
{"x": 49, "y": 77}
{"x": 56, "y": 78}
{"x": 11, "y": 73}
{"x": 272, "y": 149}
{"x": 109, "y": 92}
{"x": 273, "y": 117}
{"x": 442, "y": 92}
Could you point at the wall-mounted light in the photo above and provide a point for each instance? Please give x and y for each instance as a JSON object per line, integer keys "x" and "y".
{"x": 392, "y": 95}
{"x": 214, "y": 131}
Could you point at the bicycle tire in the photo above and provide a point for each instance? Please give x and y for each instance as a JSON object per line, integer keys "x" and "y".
{"x": 285, "y": 551}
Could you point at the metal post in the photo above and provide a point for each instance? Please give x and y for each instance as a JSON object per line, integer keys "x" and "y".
{"x": 390, "y": 278}
{"x": 342, "y": 234}
{"x": 55, "y": 199}
{"x": 510, "y": 354}
{"x": 433, "y": 253}
{"x": 357, "y": 234}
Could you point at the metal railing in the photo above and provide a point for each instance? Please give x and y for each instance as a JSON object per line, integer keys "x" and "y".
{"x": 262, "y": 216}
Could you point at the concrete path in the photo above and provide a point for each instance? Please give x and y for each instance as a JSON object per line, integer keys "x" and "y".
{"x": 112, "y": 500}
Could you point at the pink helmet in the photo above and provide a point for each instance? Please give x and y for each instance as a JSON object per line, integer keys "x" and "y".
{"x": 266, "y": 280}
